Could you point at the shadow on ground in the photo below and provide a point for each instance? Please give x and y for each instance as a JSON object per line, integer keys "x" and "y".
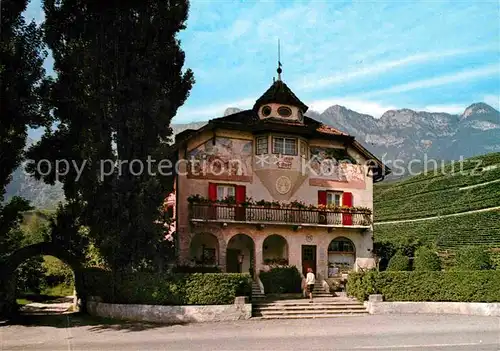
{"x": 48, "y": 299}
{"x": 70, "y": 320}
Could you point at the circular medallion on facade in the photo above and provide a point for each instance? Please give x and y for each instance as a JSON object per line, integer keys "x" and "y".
{"x": 283, "y": 185}
{"x": 309, "y": 238}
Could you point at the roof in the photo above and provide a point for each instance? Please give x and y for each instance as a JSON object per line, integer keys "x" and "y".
{"x": 249, "y": 120}
{"x": 280, "y": 93}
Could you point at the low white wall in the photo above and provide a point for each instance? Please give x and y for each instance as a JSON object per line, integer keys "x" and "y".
{"x": 171, "y": 314}
{"x": 467, "y": 308}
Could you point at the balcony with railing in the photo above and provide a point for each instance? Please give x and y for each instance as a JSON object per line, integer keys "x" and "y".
{"x": 305, "y": 217}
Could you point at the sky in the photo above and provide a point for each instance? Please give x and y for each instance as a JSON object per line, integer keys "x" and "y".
{"x": 369, "y": 56}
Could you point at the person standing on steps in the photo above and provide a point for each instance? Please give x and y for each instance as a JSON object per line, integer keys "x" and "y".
{"x": 310, "y": 280}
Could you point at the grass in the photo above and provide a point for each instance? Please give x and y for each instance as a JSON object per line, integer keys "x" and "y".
{"x": 47, "y": 295}
{"x": 59, "y": 290}
{"x": 23, "y": 301}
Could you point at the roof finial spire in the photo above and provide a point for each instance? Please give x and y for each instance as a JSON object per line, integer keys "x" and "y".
{"x": 279, "y": 70}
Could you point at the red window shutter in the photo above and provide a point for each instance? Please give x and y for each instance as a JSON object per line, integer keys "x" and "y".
{"x": 347, "y": 199}
{"x": 321, "y": 197}
{"x": 212, "y": 191}
{"x": 347, "y": 202}
{"x": 240, "y": 196}
{"x": 212, "y": 196}
{"x": 322, "y": 201}
{"x": 241, "y": 193}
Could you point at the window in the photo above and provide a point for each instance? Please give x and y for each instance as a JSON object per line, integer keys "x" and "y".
{"x": 266, "y": 111}
{"x": 225, "y": 191}
{"x": 341, "y": 245}
{"x": 261, "y": 147}
{"x": 284, "y": 111}
{"x": 333, "y": 199}
{"x": 285, "y": 146}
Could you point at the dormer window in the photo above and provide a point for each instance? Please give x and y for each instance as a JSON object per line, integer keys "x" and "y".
{"x": 266, "y": 111}
{"x": 284, "y": 111}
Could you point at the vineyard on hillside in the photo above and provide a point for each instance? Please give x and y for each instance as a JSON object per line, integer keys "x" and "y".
{"x": 438, "y": 194}
{"x": 481, "y": 228}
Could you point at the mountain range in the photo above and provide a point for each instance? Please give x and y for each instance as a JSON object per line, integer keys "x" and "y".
{"x": 397, "y": 135}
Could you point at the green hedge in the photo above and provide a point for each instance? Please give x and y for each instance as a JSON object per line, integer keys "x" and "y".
{"x": 163, "y": 289}
{"x": 426, "y": 260}
{"x": 458, "y": 286}
{"x": 472, "y": 258}
{"x": 399, "y": 262}
{"x": 281, "y": 280}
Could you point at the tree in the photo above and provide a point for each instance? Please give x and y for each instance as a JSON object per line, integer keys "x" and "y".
{"x": 120, "y": 82}
{"x": 472, "y": 258}
{"x": 399, "y": 262}
{"x": 426, "y": 260}
{"x": 22, "y": 93}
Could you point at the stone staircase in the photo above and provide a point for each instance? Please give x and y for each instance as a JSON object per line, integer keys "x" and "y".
{"x": 256, "y": 293}
{"x": 321, "y": 307}
{"x": 319, "y": 291}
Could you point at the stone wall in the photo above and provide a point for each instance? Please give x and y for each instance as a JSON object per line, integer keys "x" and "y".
{"x": 464, "y": 308}
{"x": 171, "y": 314}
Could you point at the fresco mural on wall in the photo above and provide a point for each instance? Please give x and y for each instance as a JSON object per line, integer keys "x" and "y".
{"x": 226, "y": 159}
{"x": 333, "y": 164}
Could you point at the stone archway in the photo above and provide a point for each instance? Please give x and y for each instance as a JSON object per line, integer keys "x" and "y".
{"x": 204, "y": 249}
{"x": 341, "y": 256}
{"x": 240, "y": 254}
{"x": 11, "y": 262}
{"x": 275, "y": 250}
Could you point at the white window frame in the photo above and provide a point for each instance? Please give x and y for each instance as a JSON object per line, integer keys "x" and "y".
{"x": 224, "y": 191}
{"x": 330, "y": 198}
{"x": 258, "y": 150}
{"x": 283, "y": 147}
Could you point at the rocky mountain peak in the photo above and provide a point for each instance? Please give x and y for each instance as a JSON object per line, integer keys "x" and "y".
{"x": 478, "y": 108}
{"x": 231, "y": 111}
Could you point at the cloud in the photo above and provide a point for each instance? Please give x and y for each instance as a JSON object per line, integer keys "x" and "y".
{"x": 492, "y": 100}
{"x": 438, "y": 81}
{"x": 451, "y": 109}
{"x": 380, "y": 67}
{"x": 372, "y": 108}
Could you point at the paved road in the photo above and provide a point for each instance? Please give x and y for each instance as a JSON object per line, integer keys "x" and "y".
{"x": 397, "y": 332}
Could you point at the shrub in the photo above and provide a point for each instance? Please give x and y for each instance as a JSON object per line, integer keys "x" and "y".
{"x": 426, "y": 260}
{"x": 196, "y": 269}
{"x": 167, "y": 289}
{"x": 281, "y": 280}
{"x": 472, "y": 258}
{"x": 216, "y": 289}
{"x": 399, "y": 262}
{"x": 458, "y": 286}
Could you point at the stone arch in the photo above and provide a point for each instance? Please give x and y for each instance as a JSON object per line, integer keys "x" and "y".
{"x": 240, "y": 254}
{"x": 204, "y": 249}
{"x": 11, "y": 262}
{"x": 275, "y": 250}
{"x": 341, "y": 255}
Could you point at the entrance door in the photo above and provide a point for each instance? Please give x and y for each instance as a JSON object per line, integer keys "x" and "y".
{"x": 232, "y": 264}
{"x": 308, "y": 258}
